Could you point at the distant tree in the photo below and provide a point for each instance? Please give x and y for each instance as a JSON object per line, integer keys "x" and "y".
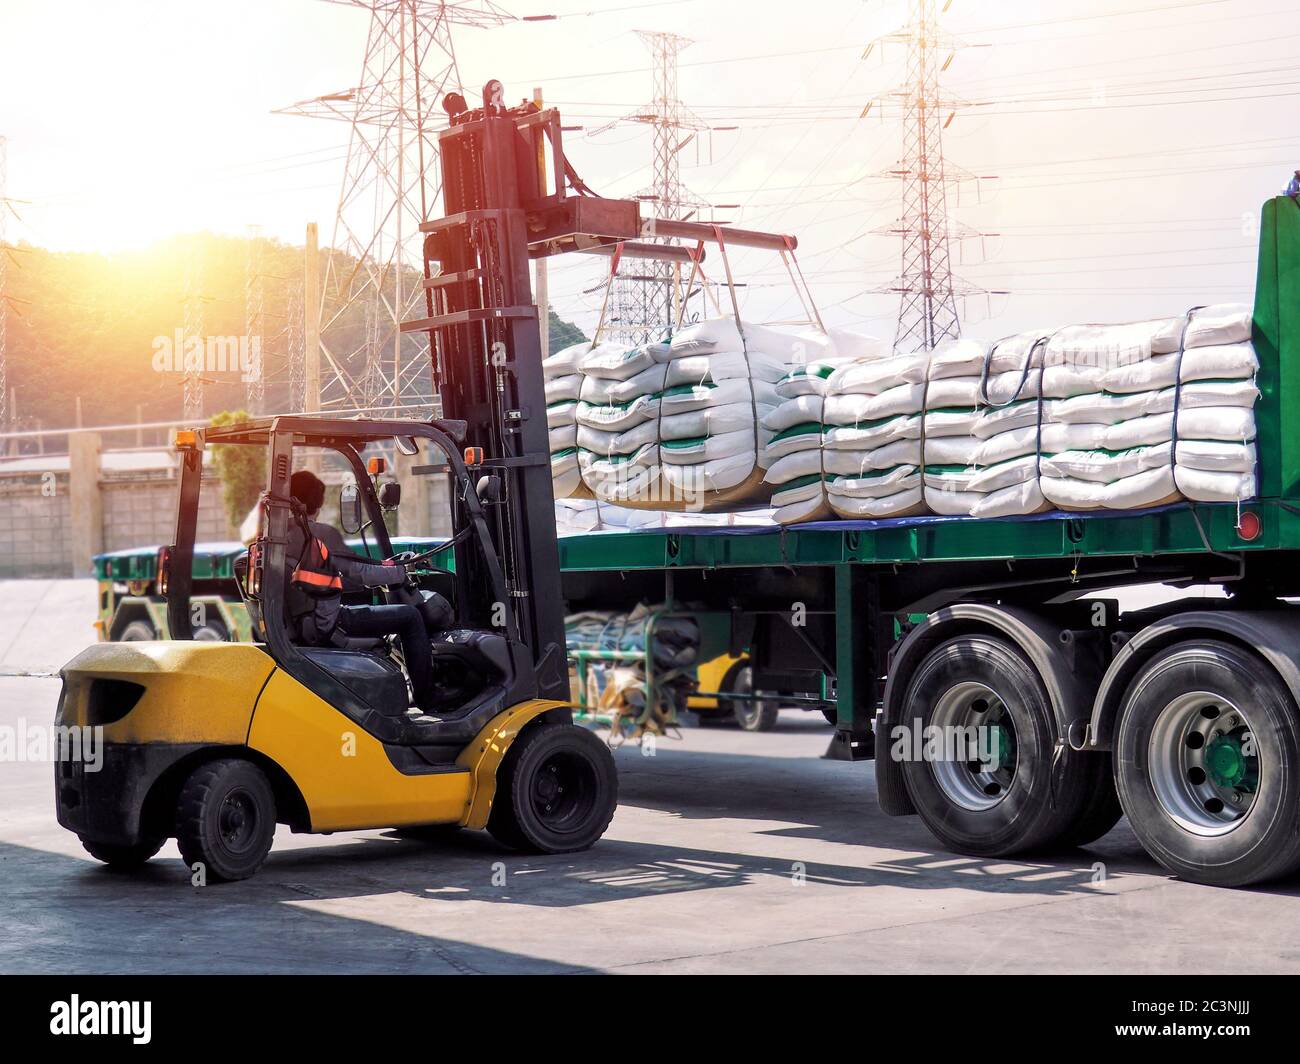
{"x": 242, "y": 469}
{"x": 563, "y": 333}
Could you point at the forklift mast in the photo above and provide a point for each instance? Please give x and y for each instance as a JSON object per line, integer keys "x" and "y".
{"x": 506, "y": 188}
{"x": 487, "y": 367}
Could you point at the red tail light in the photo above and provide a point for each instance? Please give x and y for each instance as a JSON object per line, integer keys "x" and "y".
{"x": 1249, "y": 526}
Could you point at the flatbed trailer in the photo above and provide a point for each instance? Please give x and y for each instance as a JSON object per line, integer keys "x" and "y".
{"x": 919, "y": 629}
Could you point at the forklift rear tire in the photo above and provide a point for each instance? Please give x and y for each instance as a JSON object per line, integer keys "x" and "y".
{"x": 122, "y": 858}
{"x": 556, "y": 791}
{"x": 225, "y": 819}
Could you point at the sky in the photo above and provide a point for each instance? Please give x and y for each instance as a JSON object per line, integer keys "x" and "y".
{"x": 1117, "y": 152}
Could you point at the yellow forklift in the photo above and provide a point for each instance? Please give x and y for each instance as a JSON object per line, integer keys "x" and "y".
{"x": 213, "y": 744}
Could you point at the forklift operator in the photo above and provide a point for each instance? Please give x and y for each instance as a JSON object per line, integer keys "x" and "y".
{"x": 329, "y": 619}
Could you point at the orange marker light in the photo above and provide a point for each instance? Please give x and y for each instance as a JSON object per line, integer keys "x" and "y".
{"x": 375, "y": 466}
{"x": 185, "y": 438}
{"x": 473, "y": 456}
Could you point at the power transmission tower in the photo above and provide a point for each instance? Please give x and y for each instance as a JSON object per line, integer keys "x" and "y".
{"x": 928, "y": 291}
{"x": 390, "y": 183}
{"x": 642, "y": 303}
{"x": 192, "y": 401}
{"x": 254, "y": 373}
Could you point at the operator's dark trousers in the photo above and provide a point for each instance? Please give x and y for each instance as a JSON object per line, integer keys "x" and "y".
{"x": 404, "y": 621}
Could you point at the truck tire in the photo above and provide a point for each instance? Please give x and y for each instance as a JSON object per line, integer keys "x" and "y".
{"x": 137, "y": 632}
{"x": 1207, "y": 756}
{"x": 122, "y": 858}
{"x": 225, "y": 819}
{"x": 556, "y": 791}
{"x": 751, "y": 716}
{"x": 1023, "y": 790}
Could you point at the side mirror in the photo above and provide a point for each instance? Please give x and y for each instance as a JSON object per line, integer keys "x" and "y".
{"x": 350, "y": 516}
{"x": 407, "y": 445}
{"x": 390, "y": 495}
{"x": 489, "y": 488}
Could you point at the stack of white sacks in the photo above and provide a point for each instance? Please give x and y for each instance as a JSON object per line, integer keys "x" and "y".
{"x": 799, "y": 466}
{"x": 679, "y": 425}
{"x": 1077, "y": 419}
{"x": 563, "y": 382}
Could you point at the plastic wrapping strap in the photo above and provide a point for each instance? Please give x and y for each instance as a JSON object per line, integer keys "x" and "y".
{"x": 1042, "y": 341}
{"x": 925, "y": 402}
{"x": 604, "y": 303}
{"x": 1178, "y": 392}
{"x": 1024, "y": 375}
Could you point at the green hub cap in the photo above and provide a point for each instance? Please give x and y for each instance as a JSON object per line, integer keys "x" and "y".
{"x": 1004, "y": 746}
{"x": 1226, "y": 762}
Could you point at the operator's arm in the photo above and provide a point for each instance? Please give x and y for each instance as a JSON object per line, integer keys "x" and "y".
{"x": 352, "y": 568}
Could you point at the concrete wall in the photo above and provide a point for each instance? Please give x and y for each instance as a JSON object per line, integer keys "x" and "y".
{"x": 53, "y": 520}
{"x": 141, "y": 511}
{"x": 35, "y": 523}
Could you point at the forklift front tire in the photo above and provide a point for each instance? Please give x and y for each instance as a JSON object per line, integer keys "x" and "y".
{"x": 122, "y": 858}
{"x": 225, "y": 819}
{"x": 556, "y": 791}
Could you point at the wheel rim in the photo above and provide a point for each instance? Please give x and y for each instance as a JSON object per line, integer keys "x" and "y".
{"x": 750, "y": 711}
{"x": 563, "y": 792}
{"x": 1204, "y": 763}
{"x": 976, "y": 767}
{"x": 238, "y": 821}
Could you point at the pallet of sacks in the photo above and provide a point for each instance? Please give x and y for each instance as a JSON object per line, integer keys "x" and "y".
{"x": 796, "y": 454}
{"x": 678, "y": 425}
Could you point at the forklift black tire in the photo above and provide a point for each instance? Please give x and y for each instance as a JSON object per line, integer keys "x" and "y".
{"x": 1204, "y": 804}
{"x": 1028, "y": 794}
{"x": 556, "y": 791}
{"x": 757, "y": 716}
{"x": 225, "y": 819}
{"x": 137, "y": 632}
{"x": 122, "y": 858}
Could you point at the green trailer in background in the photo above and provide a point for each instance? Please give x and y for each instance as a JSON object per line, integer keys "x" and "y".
{"x": 923, "y": 633}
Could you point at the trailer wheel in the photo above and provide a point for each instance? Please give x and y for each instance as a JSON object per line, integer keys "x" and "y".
{"x": 122, "y": 858}
{"x": 137, "y": 632}
{"x": 979, "y": 754}
{"x": 1208, "y": 765}
{"x": 761, "y": 715}
{"x": 556, "y": 790}
{"x": 225, "y": 819}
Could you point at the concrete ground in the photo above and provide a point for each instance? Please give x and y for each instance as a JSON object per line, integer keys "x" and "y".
{"x": 730, "y": 852}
